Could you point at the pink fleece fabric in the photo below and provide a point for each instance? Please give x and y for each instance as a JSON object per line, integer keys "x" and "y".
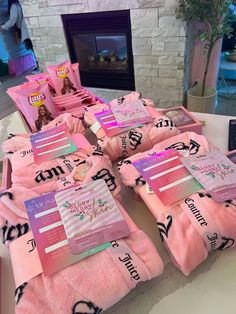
{"x": 89, "y": 286}
{"x": 184, "y": 243}
{"x": 42, "y": 178}
{"x": 74, "y": 124}
{"x": 136, "y": 140}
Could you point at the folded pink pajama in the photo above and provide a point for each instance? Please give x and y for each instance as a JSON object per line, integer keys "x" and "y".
{"x": 183, "y": 238}
{"x": 19, "y": 141}
{"x": 74, "y": 124}
{"x": 43, "y": 177}
{"x": 89, "y": 286}
{"x": 132, "y": 141}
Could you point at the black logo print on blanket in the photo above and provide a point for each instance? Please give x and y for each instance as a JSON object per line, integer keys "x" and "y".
{"x": 98, "y": 151}
{"x": 140, "y": 181}
{"x": 134, "y": 139}
{"x": 121, "y": 162}
{"x": 11, "y": 136}
{"x": 120, "y": 100}
{"x": 227, "y": 243}
{"x": 107, "y": 177}
{"x": 83, "y": 307}
{"x": 11, "y": 232}
{"x": 227, "y": 203}
{"x": 165, "y": 123}
{"x": 19, "y": 292}
{"x": 164, "y": 229}
{"x": 42, "y": 176}
{"x": 193, "y": 147}
{"x": 9, "y": 194}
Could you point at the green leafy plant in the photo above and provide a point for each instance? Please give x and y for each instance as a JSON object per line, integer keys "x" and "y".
{"x": 214, "y": 23}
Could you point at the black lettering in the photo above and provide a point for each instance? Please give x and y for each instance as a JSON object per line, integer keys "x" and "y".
{"x": 84, "y": 307}
{"x": 164, "y": 229}
{"x": 39, "y": 176}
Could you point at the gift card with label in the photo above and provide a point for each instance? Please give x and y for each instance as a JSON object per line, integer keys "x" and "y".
{"x": 167, "y": 176}
{"x": 109, "y": 124}
{"x": 90, "y": 216}
{"x": 52, "y": 144}
{"x": 130, "y": 113}
{"x": 215, "y": 172}
{"x": 50, "y": 237}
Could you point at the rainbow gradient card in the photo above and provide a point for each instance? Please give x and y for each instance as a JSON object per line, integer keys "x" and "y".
{"x": 130, "y": 113}
{"x": 109, "y": 123}
{"x": 50, "y": 237}
{"x": 52, "y": 144}
{"x": 167, "y": 176}
{"x": 91, "y": 216}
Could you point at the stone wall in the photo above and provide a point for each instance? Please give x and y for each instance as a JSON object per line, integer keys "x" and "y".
{"x": 158, "y": 41}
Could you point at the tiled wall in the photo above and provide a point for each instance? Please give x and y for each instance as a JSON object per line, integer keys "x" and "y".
{"x": 158, "y": 41}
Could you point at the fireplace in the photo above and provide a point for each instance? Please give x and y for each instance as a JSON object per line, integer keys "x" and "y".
{"x": 102, "y": 44}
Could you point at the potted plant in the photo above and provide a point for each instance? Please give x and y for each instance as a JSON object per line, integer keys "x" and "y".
{"x": 213, "y": 22}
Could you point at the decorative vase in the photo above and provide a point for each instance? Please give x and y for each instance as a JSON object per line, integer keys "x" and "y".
{"x": 198, "y": 103}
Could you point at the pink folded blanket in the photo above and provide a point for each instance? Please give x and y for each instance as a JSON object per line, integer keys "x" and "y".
{"x": 42, "y": 178}
{"x": 19, "y": 141}
{"x": 133, "y": 141}
{"x": 89, "y": 286}
{"x": 73, "y": 123}
{"x": 181, "y": 226}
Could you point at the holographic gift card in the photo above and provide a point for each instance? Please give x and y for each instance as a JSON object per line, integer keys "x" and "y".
{"x": 52, "y": 144}
{"x": 167, "y": 176}
{"x": 215, "y": 172}
{"x": 130, "y": 113}
{"x": 50, "y": 237}
{"x": 90, "y": 215}
{"x": 109, "y": 123}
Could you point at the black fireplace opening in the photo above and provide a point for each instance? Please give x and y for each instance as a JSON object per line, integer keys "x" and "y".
{"x": 102, "y": 44}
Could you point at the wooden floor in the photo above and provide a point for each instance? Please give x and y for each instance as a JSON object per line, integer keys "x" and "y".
{"x": 6, "y": 104}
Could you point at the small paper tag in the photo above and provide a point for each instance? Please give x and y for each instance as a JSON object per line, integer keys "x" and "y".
{"x": 109, "y": 123}
{"x": 95, "y": 127}
{"x": 167, "y": 176}
{"x": 90, "y": 216}
{"x": 52, "y": 144}
{"x": 130, "y": 113}
{"x": 215, "y": 172}
{"x": 50, "y": 237}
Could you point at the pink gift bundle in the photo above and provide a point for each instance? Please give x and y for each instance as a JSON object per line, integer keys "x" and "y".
{"x": 57, "y": 274}
{"x": 190, "y": 221}
{"x": 119, "y": 140}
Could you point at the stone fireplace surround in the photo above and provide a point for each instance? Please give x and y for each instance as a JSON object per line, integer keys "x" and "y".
{"x": 158, "y": 41}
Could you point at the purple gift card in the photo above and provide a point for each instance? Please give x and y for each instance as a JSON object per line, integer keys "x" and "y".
{"x": 109, "y": 123}
{"x": 50, "y": 237}
{"x": 130, "y": 113}
{"x": 52, "y": 144}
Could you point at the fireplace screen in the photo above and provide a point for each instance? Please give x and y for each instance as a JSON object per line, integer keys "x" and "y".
{"x": 101, "y": 43}
{"x": 107, "y": 53}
